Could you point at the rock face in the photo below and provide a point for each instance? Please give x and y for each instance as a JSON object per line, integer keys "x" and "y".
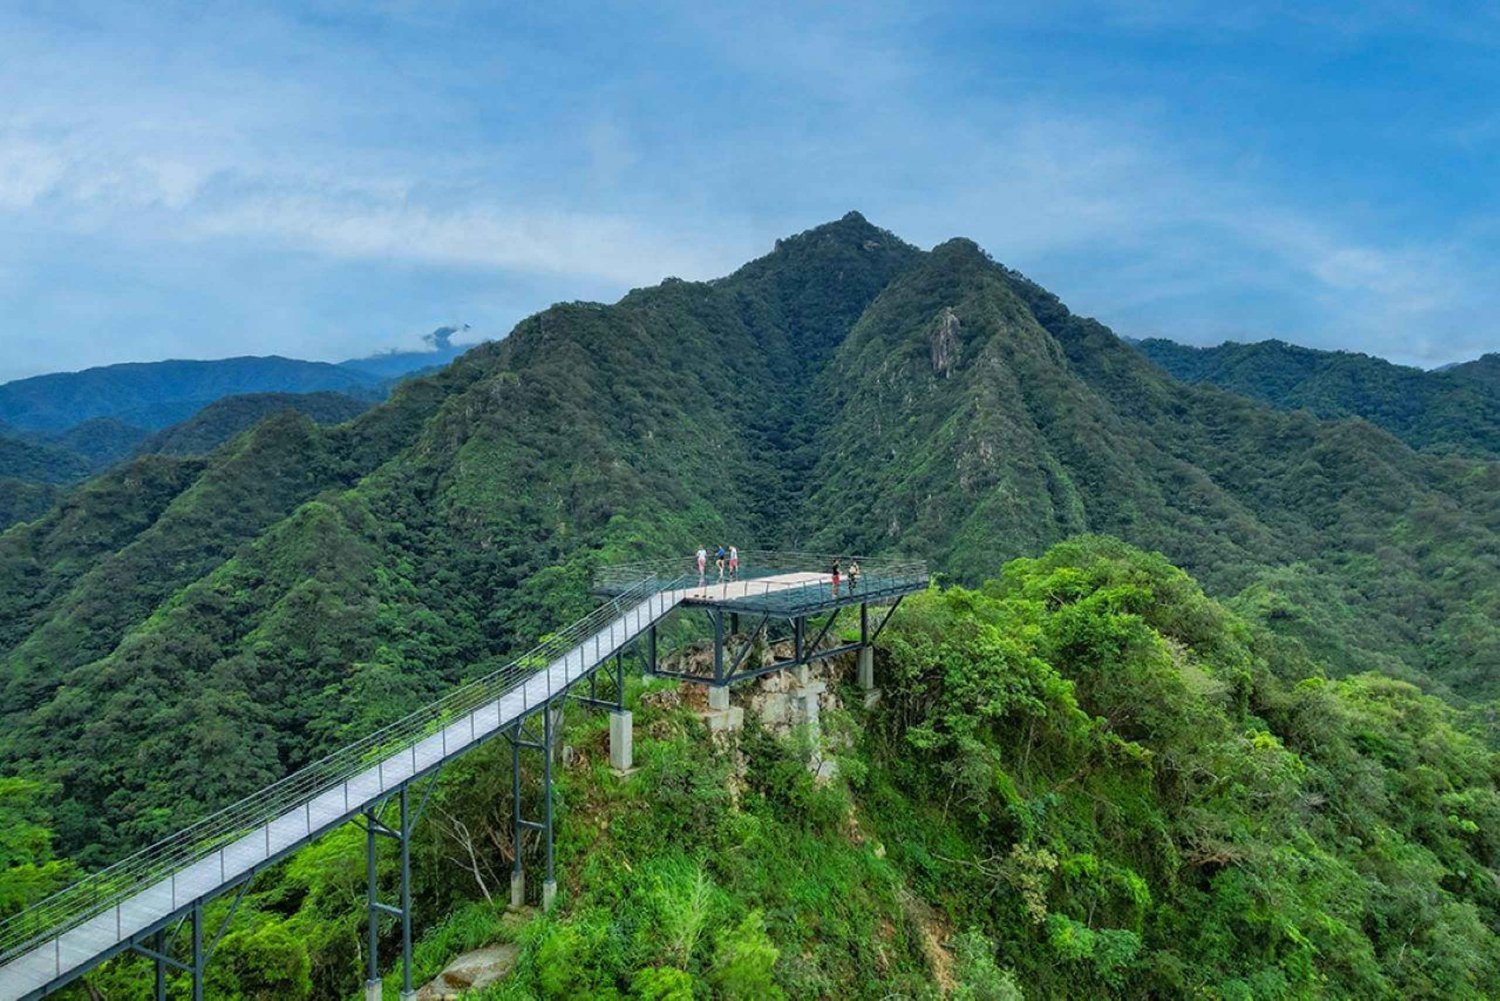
{"x": 471, "y": 972}
{"x": 945, "y": 343}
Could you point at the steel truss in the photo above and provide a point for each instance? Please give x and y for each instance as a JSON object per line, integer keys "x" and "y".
{"x": 805, "y": 650}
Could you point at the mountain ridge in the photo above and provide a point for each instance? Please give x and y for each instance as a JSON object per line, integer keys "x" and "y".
{"x": 845, "y": 391}
{"x": 1453, "y": 410}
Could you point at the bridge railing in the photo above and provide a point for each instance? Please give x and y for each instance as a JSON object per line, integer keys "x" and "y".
{"x": 754, "y": 563}
{"x": 108, "y": 888}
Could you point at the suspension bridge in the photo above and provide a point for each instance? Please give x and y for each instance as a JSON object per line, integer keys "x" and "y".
{"x": 145, "y": 902}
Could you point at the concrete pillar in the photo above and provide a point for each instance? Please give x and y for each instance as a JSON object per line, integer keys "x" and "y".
{"x": 866, "y": 672}
{"x": 621, "y": 740}
{"x": 718, "y": 697}
{"x": 518, "y": 888}
{"x": 549, "y": 894}
{"x": 408, "y": 996}
{"x": 372, "y": 990}
{"x": 803, "y": 674}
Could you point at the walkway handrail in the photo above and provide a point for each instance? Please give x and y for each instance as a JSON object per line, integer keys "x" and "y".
{"x": 753, "y": 563}
{"x": 102, "y": 890}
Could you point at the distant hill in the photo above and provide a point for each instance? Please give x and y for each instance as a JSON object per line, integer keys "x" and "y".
{"x": 402, "y": 363}
{"x": 25, "y": 500}
{"x": 40, "y": 463}
{"x": 153, "y": 395}
{"x": 100, "y": 440}
{"x": 35, "y": 468}
{"x": 220, "y": 421}
{"x": 1455, "y": 409}
{"x": 396, "y": 364}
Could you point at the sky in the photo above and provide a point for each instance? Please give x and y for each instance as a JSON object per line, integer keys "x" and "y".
{"x": 327, "y": 180}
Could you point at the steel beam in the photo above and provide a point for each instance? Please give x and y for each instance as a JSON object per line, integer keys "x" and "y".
{"x": 517, "y": 875}
{"x": 161, "y": 966}
{"x": 198, "y": 951}
{"x": 372, "y": 899}
{"x": 408, "y": 819}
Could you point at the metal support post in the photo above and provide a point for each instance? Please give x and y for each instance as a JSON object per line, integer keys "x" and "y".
{"x": 799, "y": 626}
{"x": 651, "y": 649}
{"x": 372, "y": 898}
{"x": 549, "y": 734}
{"x": 517, "y": 874}
{"x": 865, "y": 659}
{"x": 198, "y": 951}
{"x": 407, "y": 822}
{"x": 718, "y": 617}
{"x": 159, "y": 943}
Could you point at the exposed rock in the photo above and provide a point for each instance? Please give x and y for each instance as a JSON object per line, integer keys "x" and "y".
{"x": 471, "y": 972}
{"x": 945, "y": 342}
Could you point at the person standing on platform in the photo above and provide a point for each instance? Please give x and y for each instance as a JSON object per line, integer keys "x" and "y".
{"x": 702, "y": 565}
{"x": 719, "y": 563}
{"x": 835, "y": 578}
{"x": 734, "y": 562}
{"x": 853, "y": 574}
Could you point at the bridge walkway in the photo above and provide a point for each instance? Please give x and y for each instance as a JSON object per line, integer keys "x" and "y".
{"x": 122, "y": 907}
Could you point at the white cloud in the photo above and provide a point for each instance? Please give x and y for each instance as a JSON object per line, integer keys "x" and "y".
{"x": 706, "y": 135}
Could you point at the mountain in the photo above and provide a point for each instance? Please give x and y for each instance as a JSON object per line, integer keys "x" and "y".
{"x": 847, "y": 391}
{"x": 101, "y": 441}
{"x": 152, "y": 395}
{"x": 1455, "y": 409}
{"x": 40, "y": 463}
{"x": 34, "y": 466}
{"x": 223, "y": 419}
{"x": 23, "y": 500}
{"x": 397, "y": 364}
{"x": 1084, "y": 773}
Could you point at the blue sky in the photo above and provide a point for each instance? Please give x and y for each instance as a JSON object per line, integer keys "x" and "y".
{"x": 330, "y": 179}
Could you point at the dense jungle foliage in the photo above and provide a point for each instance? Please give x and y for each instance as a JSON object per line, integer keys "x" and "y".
{"x": 1084, "y": 778}
{"x": 1454, "y": 410}
{"x": 183, "y": 629}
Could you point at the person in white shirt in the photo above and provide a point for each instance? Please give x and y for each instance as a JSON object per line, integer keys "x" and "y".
{"x": 734, "y": 562}
{"x": 702, "y": 565}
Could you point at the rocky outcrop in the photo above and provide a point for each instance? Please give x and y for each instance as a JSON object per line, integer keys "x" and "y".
{"x": 945, "y": 343}
{"x": 473, "y": 971}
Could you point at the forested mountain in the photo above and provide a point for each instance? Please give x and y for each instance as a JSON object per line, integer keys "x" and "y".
{"x": 152, "y": 395}
{"x": 40, "y": 463}
{"x": 1454, "y": 410}
{"x": 102, "y": 441}
{"x": 181, "y": 630}
{"x": 847, "y": 392}
{"x": 36, "y": 465}
{"x": 221, "y": 420}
